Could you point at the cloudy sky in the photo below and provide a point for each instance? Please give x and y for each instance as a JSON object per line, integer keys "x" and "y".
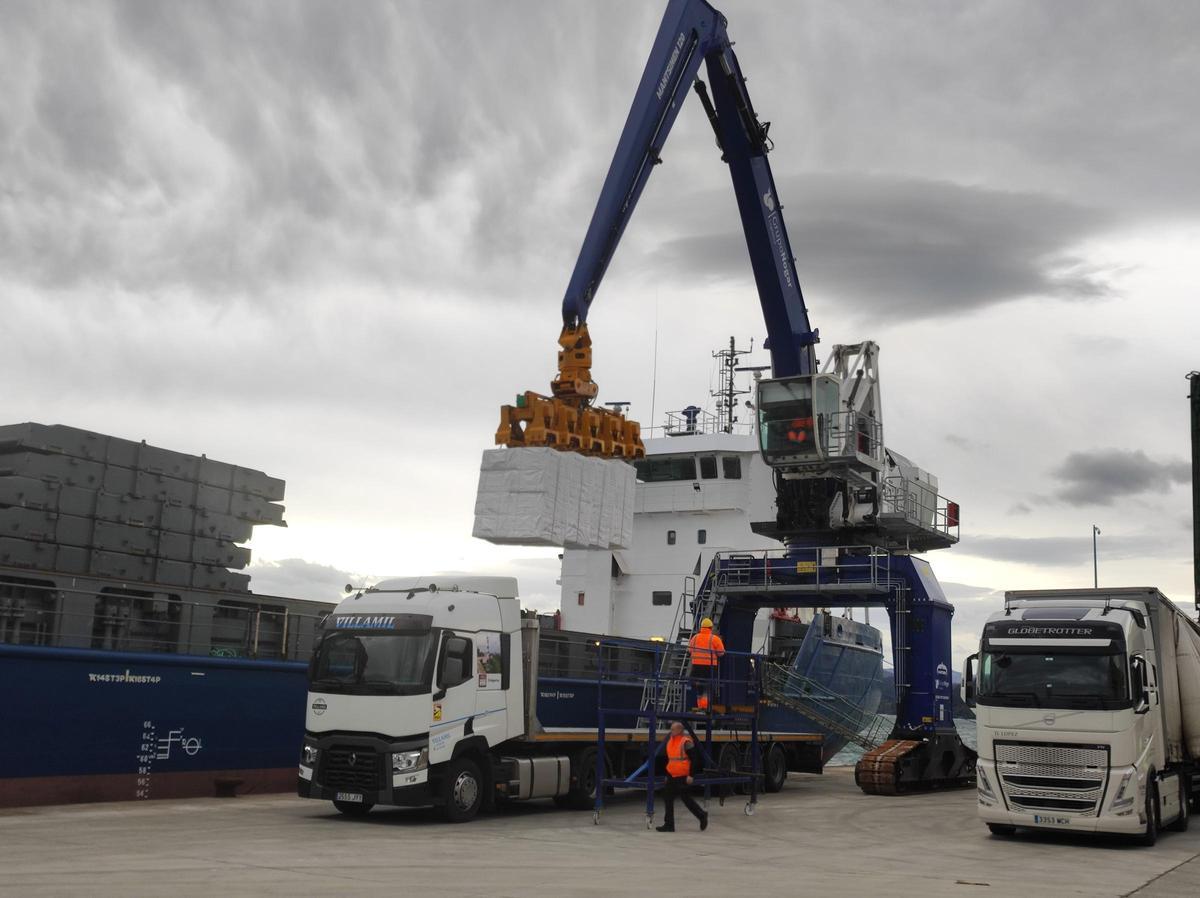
{"x": 329, "y": 240}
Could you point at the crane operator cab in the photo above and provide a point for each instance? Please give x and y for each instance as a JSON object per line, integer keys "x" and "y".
{"x": 806, "y": 428}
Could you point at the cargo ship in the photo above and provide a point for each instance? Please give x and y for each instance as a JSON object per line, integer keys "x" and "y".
{"x": 137, "y": 663}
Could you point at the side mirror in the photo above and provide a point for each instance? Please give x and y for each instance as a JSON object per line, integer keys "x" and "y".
{"x": 1138, "y": 685}
{"x": 967, "y": 690}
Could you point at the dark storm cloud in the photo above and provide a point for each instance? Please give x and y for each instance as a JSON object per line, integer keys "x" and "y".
{"x": 1101, "y": 476}
{"x": 900, "y": 246}
{"x": 241, "y": 148}
{"x": 237, "y": 148}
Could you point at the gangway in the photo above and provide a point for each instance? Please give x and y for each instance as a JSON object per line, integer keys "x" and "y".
{"x": 737, "y": 691}
{"x": 783, "y": 685}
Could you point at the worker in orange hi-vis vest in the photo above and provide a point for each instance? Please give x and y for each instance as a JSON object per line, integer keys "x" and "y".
{"x": 680, "y": 749}
{"x": 705, "y": 650}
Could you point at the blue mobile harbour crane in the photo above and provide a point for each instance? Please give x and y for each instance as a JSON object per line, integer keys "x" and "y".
{"x": 850, "y": 512}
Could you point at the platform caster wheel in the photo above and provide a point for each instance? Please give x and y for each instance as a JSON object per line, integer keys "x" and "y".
{"x": 749, "y": 809}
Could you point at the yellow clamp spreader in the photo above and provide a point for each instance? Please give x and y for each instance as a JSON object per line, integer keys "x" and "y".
{"x": 567, "y": 420}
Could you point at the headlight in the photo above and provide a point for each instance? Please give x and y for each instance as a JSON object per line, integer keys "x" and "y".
{"x": 1122, "y": 803}
{"x": 309, "y": 755}
{"x": 406, "y": 761}
{"x": 985, "y": 787}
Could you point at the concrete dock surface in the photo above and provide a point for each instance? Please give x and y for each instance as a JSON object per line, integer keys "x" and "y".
{"x": 820, "y": 836}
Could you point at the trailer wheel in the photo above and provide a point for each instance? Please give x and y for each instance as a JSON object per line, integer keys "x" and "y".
{"x": 353, "y": 808}
{"x": 1180, "y": 823}
{"x": 774, "y": 768}
{"x": 462, "y": 791}
{"x": 582, "y": 796}
{"x": 1150, "y": 835}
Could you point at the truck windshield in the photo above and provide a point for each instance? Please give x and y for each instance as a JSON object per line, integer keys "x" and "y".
{"x": 395, "y": 663}
{"x": 1049, "y": 679}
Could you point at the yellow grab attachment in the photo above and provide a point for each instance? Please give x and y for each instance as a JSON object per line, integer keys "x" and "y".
{"x": 567, "y": 420}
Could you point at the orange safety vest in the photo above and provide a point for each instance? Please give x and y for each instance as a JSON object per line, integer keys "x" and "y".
{"x": 706, "y": 648}
{"x": 678, "y": 763}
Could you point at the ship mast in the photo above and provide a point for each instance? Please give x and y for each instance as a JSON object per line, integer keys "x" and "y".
{"x": 727, "y": 392}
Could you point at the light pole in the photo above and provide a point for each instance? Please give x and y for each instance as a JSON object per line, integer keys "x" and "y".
{"x": 1095, "y": 562}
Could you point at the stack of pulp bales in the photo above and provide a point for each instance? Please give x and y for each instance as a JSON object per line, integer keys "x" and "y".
{"x": 79, "y": 502}
{"x": 538, "y": 496}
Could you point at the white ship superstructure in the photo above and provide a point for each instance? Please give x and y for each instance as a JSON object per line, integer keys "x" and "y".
{"x": 698, "y": 490}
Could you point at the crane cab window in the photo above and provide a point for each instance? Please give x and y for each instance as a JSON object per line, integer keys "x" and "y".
{"x": 708, "y": 467}
{"x": 792, "y": 414}
{"x": 733, "y": 467}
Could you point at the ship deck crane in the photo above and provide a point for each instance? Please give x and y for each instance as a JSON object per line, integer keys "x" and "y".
{"x": 849, "y": 511}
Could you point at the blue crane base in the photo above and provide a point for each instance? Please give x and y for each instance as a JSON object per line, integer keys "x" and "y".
{"x": 924, "y": 749}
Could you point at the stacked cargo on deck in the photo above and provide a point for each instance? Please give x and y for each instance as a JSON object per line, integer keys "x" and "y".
{"x": 80, "y": 502}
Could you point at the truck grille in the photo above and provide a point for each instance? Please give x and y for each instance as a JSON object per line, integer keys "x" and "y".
{"x": 1040, "y": 777}
{"x": 351, "y": 769}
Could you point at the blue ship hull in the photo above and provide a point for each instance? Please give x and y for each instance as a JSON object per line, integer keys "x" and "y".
{"x": 84, "y": 725}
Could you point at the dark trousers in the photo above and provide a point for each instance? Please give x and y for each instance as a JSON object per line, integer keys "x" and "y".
{"x": 677, "y": 786}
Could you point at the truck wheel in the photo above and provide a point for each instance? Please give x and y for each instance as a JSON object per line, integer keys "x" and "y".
{"x": 1150, "y": 836}
{"x": 1180, "y": 823}
{"x": 774, "y": 768}
{"x": 462, "y": 791}
{"x": 1002, "y": 829}
{"x": 582, "y": 796}
{"x": 353, "y": 808}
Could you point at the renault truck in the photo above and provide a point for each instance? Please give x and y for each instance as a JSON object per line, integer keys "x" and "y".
{"x": 440, "y": 692}
{"x": 1087, "y": 703}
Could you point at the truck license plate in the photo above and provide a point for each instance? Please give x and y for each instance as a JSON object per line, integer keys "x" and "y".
{"x": 349, "y": 796}
{"x": 1053, "y": 821}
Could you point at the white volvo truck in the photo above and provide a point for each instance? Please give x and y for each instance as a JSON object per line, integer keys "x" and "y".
{"x": 439, "y": 693}
{"x": 1088, "y": 711}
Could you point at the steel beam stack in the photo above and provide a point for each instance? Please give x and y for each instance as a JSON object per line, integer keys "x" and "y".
{"x": 79, "y": 502}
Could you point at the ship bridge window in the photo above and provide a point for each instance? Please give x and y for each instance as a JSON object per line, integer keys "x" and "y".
{"x": 733, "y": 467}
{"x": 666, "y": 468}
{"x": 660, "y": 597}
{"x": 708, "y": 467}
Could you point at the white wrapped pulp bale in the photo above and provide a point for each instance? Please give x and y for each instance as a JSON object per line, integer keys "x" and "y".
{"x": 543, "y": 497}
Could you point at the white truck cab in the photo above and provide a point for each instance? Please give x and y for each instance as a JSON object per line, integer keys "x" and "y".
{"x": 412, "y": 683}
{"x": 1077, "y": 701}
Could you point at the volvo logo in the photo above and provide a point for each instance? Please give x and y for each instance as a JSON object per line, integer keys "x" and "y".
{"x": 1048, "y": 719}
{"x": 319, "y": 707}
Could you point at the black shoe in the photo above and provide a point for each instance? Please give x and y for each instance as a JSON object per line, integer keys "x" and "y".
{"x": 665, "y": 829}
{"x": 704, "y": 823}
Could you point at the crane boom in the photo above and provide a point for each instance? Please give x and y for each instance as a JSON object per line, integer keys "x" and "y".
{"x": 692, "y": 34}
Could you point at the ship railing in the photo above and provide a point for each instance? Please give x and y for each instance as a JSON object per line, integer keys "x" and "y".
{"x": 136, "y": 620}
{"x": 918, "y": 505}
{"x": 845, "y": 568}
{"x": 732, "y": 690}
